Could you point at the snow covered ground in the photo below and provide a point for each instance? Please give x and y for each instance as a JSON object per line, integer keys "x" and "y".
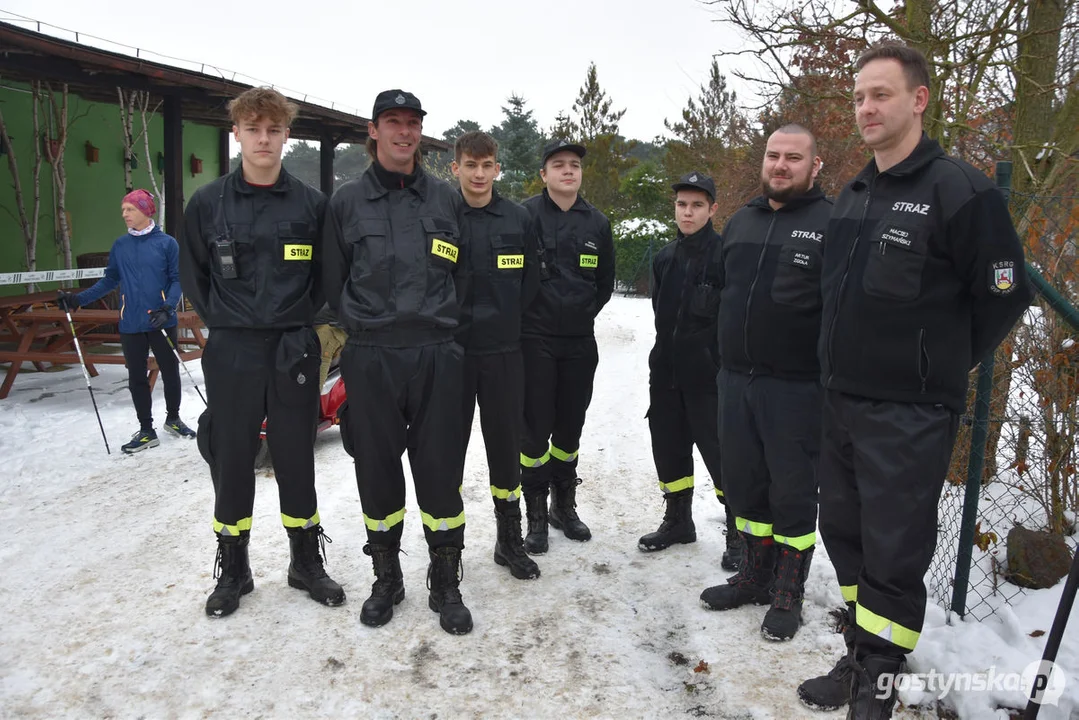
{"x": 107, "y": 562}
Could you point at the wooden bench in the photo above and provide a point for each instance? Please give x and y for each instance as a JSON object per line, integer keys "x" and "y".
{"x": 41, "y": 334}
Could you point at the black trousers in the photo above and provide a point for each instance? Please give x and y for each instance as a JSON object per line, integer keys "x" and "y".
{"x": 882, "y": 468}
{"x": 407, "y": 399}
{"x": 558, "y": 390}
{"x": 244, "y": 386}
{"x": 678, "y": 420}
{"x": 769, "y": 429}
{"x": 137, "y": 347}
{"x": 496, "y": 381}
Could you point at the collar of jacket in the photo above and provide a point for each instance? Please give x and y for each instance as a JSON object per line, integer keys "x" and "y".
{"x": 240, "y": 185}
{"x": 374, "y": 189}
{"x": 926, "y": 151}
{"x": 581, "y": 204}
{"x": 494, "y": 207}
{"x": 696, "y": 242}
{"x": 808, "y": 198}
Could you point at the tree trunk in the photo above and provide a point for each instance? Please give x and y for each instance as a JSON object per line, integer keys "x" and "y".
{"x": 144, "y": 102}
{"x": 126, "y": 110}
{"x": 1035, "y": 85}
{"x": 59, "y": 173}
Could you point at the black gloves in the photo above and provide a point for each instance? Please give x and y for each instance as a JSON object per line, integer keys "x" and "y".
{"x": 67, "y": 301}
{"x": 159, "y": 317}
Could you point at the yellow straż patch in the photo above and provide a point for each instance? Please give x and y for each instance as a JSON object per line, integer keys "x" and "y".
{"x": 443, "y": 249}
{"x": 511, "y": 262}
{"x": 298, "y": 252}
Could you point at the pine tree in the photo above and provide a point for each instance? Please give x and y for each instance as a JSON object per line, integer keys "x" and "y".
{"x": 592, "y": 109}
{"x": 519, "y": 145}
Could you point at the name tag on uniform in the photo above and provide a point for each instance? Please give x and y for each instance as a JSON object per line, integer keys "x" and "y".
{"x": 444, "y": 249}
{"x": 511, "y": 262}
{"x": 590, "y": 261}
{"x": 297, "y": 252}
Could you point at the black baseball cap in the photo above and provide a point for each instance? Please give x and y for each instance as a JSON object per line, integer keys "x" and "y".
{"x": 390, "y": 99}
{"x": 558, "y": 145}
{"x": 696, "y": 181}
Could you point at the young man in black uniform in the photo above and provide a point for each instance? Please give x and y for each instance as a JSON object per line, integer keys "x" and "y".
{"x": 393, "y": 249}
{"x": 684, "y": 361}
{"x": 770, "y": 395}
{"x": 559, "y": 343}
{"x": 249, "y": 254}
{"x": 923, "y": 277}
{"x": 503, "y": 270}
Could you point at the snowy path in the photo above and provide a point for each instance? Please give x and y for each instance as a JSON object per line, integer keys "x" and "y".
{"x": 107, "y": 562}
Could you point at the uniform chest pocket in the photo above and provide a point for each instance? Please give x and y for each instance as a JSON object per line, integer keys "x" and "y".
{"x": 704, "y": 300}
{"x": 587, "y": 257}
{"x": 797, "y": 279}
{"x": 241, "y": 244}
{"x": 897, "y": 252}
{"x": 507, "y": 256}
{"x": 296, "y": 247}
{"x": 443, "y": 250}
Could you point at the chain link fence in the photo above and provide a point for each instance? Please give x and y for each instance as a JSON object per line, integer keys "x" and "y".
{"x": 1023, "y": 409}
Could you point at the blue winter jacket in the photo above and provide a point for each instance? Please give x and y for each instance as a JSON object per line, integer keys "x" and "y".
{"x": 147, "y": 268}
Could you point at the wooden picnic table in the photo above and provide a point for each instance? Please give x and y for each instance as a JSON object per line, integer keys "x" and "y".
{"x": 40, "y": 333}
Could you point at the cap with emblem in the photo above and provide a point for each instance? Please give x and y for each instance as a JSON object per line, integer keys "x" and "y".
{"x": 558, "y": 145}
{"x": 696, "y": 181}
{"x": 390, "y": 99}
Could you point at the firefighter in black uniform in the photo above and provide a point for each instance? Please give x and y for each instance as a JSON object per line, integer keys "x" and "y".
{"x": 502, "y": 265}
{"x": 249, "y": 264}
{"x": 770, "y": 395}
{"x": 923, "y": 277}
{"x": 683, "y": 363}
{"x": 392, "y": 252}
{"x": 559, "y": 343}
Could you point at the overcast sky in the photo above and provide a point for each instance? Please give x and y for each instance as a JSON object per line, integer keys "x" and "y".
{"x": 462, "y": 58}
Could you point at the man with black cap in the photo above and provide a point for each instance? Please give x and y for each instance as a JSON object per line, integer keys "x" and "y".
{"x": 559, "y": 344}
{"x": 684, "y": 362}
{"x": 392, "y": 246}
{"x": 769, "y": 387}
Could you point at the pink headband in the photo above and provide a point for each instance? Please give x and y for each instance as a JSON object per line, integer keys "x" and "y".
{"x": 143, "y": 200}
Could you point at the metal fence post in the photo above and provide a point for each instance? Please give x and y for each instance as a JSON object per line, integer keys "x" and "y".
{"x": 979, "y": 433}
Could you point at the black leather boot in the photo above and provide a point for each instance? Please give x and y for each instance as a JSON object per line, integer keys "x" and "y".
{"x": 307, "y": 570}
{"x": 389, "y": 586}
{"x": 677, "y": 526}
{"x": 233, "y": 573}
{"x": 832, "y": 691}
{"x": 752, "y": 584}
{"x": 509, "y": 547}
{"x": 536, "y": 508}
{"x": 563, "y": 512}
{"x": 443, "y": 580}
{"x": 866, "y": 702}
{"x": 783, "y": 619}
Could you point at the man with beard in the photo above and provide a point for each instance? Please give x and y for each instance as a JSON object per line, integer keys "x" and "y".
{"x": 769, "y": 388}
{"x": 923, "y": 276}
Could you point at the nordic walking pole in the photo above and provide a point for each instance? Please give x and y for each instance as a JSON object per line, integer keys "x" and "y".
{"x": 86, "y": 374}
{"x": 184, "y": 366}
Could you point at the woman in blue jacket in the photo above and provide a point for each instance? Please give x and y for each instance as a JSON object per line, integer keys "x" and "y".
{"x": 145, "y": 264}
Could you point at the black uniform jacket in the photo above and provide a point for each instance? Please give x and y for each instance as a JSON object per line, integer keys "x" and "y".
{"x": 392, "y": 258}
{"x": 769, "y": 317}
{"x": 275, "y": 238}
{"x": 685, "y": 298}
{"x": 923, "y": 276}
{"x": 502, "y": 264}
{"x": 577, "y": 268}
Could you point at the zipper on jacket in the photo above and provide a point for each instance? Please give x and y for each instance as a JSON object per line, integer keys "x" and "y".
{"x": 923, "y": 353}
{"x": 752, "y": 288}
{"x": 843, "y": 282}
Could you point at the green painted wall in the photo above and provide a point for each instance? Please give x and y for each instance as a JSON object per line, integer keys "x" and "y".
{"x": 94, "y": 191}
